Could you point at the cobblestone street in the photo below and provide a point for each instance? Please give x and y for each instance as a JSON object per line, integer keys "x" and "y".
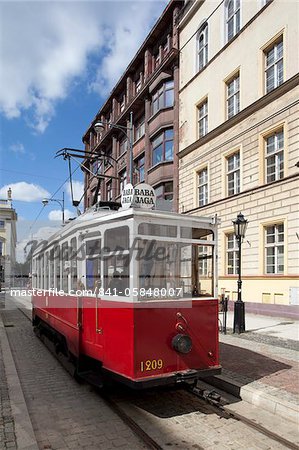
{"x": 67, "y": 415}
{"x": 7, "y": 431}
{"x": 64, "y": 414}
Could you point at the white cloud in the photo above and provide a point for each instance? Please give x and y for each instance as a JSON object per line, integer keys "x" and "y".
{"x": 46, "y": 46}
{"x": 41, "y": 234}
{"x": 56, "y": 214}
{"x": 26, "y": 192}
{"x": 17, "y": 148}
{"x": 78, "y": 189}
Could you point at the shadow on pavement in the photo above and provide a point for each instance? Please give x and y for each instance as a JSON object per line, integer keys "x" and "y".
{"x": 248, "y": 363}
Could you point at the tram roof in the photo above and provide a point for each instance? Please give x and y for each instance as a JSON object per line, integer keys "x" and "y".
{"x": 94, "y": 216}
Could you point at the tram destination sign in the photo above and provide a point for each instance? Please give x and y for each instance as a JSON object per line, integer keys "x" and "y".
{"x": 141, "y": 196}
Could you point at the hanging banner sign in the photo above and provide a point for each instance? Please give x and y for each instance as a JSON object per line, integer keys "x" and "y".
{"x": 141, "y": 196}
{"x": 127, "y": 196}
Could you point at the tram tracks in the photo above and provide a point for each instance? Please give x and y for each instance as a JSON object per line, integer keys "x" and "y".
{"x": 119, "y": 407}
{"x": 217, "y": 406}
{"x": 133, "y": 425}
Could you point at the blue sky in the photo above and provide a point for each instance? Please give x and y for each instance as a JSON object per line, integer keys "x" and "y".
{"x": 59, "y": 61}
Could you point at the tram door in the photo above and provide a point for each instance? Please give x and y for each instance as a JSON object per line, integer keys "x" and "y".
{"x": 91, "y": 325}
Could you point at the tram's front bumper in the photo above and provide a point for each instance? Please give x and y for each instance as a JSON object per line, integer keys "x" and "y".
{"x": 186, "y": 376}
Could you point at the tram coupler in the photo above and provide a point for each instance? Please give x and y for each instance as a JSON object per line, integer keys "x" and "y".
{"x": 212, "y": 396}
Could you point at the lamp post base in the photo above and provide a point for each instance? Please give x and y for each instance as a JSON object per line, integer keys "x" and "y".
{"x": 239, "y": 317}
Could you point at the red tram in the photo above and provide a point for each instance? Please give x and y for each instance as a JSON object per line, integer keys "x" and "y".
{"x": 131, "y": 294}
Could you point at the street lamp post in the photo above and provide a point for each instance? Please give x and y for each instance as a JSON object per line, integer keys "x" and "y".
{"x": 45, "y": 202}
{"x": 240, "y": 226}
{"x": 128, "y": 132}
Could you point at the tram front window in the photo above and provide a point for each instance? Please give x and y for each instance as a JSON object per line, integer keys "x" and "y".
{"x": 93, "y": 264}
{"x": 117, "y": 275}
{"x": 116, "y": 257}
{"x": 173, "y": 270}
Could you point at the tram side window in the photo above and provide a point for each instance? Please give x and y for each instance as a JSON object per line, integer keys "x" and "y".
{"x": 155, "y": 229}
{"x": 93, "y": 264}
{"x": 173, "y": 270}
{"x": 41, "y": 279}
{"x": 51, "y": 269}
{"x": 37, "y": 272}
{"x": 158, "y": 267}
{"x": 117, "y": 266}
{"x": 117, "y": 239}
{"x": 34, "y": 273}
{"x": 65, "y": 266}
{"x": 196, "y": 270}
{"x": 57, "y": 265}
{"x": 196, "y": 233}
{"x": 46, "y": 271}
{"x": 73, "y": 261}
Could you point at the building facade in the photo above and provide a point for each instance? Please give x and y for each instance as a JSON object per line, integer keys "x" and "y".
{"x": 238, "y": 139}
{"x": 138, "y": 140}
{"x": 8, "y": 240}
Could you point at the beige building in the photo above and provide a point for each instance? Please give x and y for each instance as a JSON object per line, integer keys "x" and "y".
{"x": 8, "y": 240}
{"x": 239, "y": 139}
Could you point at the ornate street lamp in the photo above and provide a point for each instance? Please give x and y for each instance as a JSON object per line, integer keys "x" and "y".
{"x": 45, "y": 202}
{"x": 240, "y": 226}
{"x": 128, "y": 132}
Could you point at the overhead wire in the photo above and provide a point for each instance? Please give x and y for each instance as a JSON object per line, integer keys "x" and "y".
{"x": 206, "y": 19}
{"x": 57, "y": 190}
{"x": 29, "y": 174}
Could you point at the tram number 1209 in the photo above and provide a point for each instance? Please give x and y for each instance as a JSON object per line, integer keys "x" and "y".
{"x": 151, "y": 364}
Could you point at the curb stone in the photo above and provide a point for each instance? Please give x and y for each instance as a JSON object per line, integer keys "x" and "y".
{"x": 256, "y": 397}
{"x": 25, "y": 436}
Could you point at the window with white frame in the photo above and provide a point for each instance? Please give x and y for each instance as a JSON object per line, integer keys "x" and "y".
{"x": 157, "y": 58}
{"x": 274, "y": 65}
{"x": 233, "y": 18}
{"x": 108, "y": 162}
{"x": 139, "y": 129}
{"x": 122, "y": 103}
{"x": 203, "y": 187}
{"x": 165, "y": 191}
{"x": 233, "y": 96}
{"x": 203, "y": 118}
{"x": 274, "y": 154}
{"x": 233, "y": 173}
{"x": 274, "y": 249}
{"x": 123, "y": 180}
{"x": 165, "y": 47}
{"x": 162, "y": 147}
{"x": 138, "y": 84}
{"x": 2, "y": 223}
{"x": 202, "y": 47}
{"x": 140, "y": 169}
{"x": 232, "y": 254}
{"x": 163, "y": 97}
{"x": 95, "y": 167}
{"x": 123, "y": 146}
{"x": 109, "y": 191}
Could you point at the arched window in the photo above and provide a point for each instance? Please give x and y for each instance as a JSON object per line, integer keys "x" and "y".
{"x": 233, "y": 16}
{"x": 202, "y": 46}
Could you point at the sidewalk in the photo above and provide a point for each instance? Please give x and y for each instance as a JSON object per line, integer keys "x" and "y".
{"x": 16, "y": 430}
{"x": 261, "y": 366}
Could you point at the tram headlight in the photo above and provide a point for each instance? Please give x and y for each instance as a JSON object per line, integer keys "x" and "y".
{"x": 182, "y": 343}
